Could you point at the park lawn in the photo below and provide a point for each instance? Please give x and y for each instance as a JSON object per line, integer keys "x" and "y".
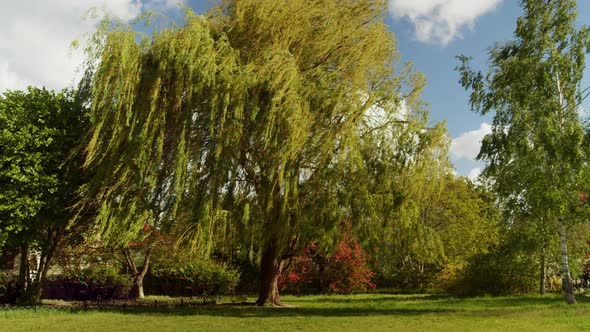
{"x": 370, "y": 312}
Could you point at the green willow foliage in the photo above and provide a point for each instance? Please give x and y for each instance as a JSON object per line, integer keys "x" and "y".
{"x": 250, "y": 124}
{"x": 241, "y": 102}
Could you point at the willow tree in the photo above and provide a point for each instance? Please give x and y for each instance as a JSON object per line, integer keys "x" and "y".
{"x": 240, "y": 109}
{"x": 404, "y": 165}
{"x": 535, "y": 150}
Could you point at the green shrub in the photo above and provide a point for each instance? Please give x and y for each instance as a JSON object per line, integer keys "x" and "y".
{"x": 498, "y": 273}
{"x": 8, "y": 289}
{"x": 3, "y": 283}
{"x": 417, "y": 278}
{"x": 249, "y": 275}
{"x": 176, "y": 278}
{"x": 88, "y": 284}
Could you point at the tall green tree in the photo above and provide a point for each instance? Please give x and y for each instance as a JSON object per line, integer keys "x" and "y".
{"x": 38, "y": 176}
{"x": 249, "y": 107}
{"x": 535, "y": 151}
{"x": 404, "y": 165}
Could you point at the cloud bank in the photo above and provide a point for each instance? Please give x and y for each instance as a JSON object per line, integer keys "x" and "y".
{"x": 474, "y": 174}
{"x": 468, "y": 144}
{"x": 36, "y": 37}
{"x": 441, "y": 21}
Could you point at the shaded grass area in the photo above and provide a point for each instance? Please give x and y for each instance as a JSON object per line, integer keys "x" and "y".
{"x": 372, "y": 312}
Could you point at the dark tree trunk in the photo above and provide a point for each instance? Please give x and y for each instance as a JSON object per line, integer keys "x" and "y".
{"x": 321, "y": 269}
{"x": 566, "y": 285}
{"x": 23, "y": 274}
{"x": 32, "y": 289}
{"x": 542, "y": 272}
{"x": 271, "y": 265}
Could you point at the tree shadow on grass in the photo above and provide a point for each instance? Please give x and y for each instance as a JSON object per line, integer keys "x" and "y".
{"x": 362, "y": 306}
{"x": 251, "y": 311}
{"x": 386, "y": 298}
{"x": 524, "y": 301}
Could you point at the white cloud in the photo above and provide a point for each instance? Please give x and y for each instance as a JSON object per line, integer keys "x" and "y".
{"x": 468, "y": 144}
{"x": 36, "y": 37}
{"x": 474, "y": 174}
{"x": 441, "y": 21}
{"x": 10, "y": 78}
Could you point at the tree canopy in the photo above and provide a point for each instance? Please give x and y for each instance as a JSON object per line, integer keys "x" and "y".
{"x": 39, "y": 175}
{"x": 251, "y": 105}
{"x": 535, "y": 152}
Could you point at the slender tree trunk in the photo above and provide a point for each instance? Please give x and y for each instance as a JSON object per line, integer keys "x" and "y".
{"x": 32, "y": 289}
{"x": 138, "y": 275}
{"x": 35, "y": 290}
{"x": 44, "y": 265}
{"x": 138, "y": 284}
{"x": 321, "y": 270}
{"x": 29, "y": 288}
{"x": 567, "y": 286}
{"x": 542, "y": 274}
{"x": 271, "y": 265}
{"x": 24, "y": 276}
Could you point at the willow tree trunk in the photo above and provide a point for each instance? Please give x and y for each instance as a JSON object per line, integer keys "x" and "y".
{"x": 566, "y": 285}
{"x": 271, "y": 265}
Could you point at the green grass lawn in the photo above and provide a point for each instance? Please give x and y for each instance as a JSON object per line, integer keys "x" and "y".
{"x": 374, "y": 312}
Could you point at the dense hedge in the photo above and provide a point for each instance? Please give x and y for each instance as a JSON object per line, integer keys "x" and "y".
{"x": 88, "y": 284}
{"x": 8, "y": 289}
{"x": 497, "y": 273}
{"x": 194, "y": 278}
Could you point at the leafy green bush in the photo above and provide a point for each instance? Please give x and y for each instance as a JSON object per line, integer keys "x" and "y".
{"x": 177, "y": 278}
{"x": 249, "y": 275}
{"x": 88, "y": 284}
{"x": 3, "y": 283}
{"x": 8, "y": 288}
{"x": 498, "y": 273}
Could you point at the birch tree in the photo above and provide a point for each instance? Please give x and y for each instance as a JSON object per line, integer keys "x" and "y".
{"x": 535, "y": 151}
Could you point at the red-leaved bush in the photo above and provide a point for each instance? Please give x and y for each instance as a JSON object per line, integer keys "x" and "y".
{"x": 301, "y": 271}
{"x": 343, "y": 271}
{"x": 347, "y": 270}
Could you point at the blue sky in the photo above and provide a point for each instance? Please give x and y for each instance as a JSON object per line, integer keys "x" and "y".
{"x": 447, "y": 99}
{"x": 430, "y": 33}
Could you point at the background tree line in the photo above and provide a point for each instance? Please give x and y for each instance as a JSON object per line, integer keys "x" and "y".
{"x": 292, "y": 148}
